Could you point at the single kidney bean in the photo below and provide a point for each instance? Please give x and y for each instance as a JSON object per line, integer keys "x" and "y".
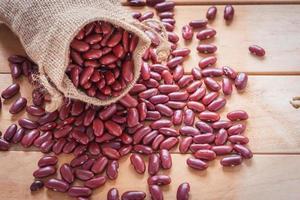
{"x": 198, "y": 23}
{"x": 154, "y": 164}
{"x": 168, "y": 131}
{"x": 64, "y": 131}
{"x": 164, "y": 110}
{"x": 156, "y": 193}
{"x": 113, "y": 128}
{"x": 35, "y": 111}
{"x": 206, "y": 138}
{"x": 79, "y": 191}
{"x": 208, "y": 98}
{"x": 216, "y": 104}
{"x": 159, "y": 99}
{"x": 185, "y": 144}
{"x": 67, "y": 173}
{"x": 169, "y": 143}
{"x": 237, "y": 115}
{"x": 59, "y": 145}
{"x": 78, "y": 161}
{"x": 167, "y": 77}
{"x": 193, "y": 86}
{"x": 238, "y": 139}
{"x": 166, "y": 159}
{"x": 166, "y": 14}
{"x": 95, "y": 182}
{"x": 161, "y": 123}
{"x": 176, "y": 104}
{"x": 79, "y": 46}
{"x": 173, "y": 37}
{"x": 157, "y": 141}
{"x": 169, "y": 20}
{"x": 15, "y": 70}
{"x": 236, "y": 129}
{"x": 206, "y": 34}
{"x": 29, "y": 137}
{"x": 212, "y": 84}
{"x": 198, "y": 94}
{"x": 48, "y": 117}
{"x": 203, "y": 127}
{"x": 172, "y": 63}
{"x": 222, "y": 149}
{"x": 159, "y": 180}
{"x": 196, "y": 163}
{"x": 185, "y": 80}
{"x": 153, "y": 115}
{"x": 208, "y": 116}
{"x": 47, "y": 146}
{"x": 207, "y": 62}
{"x": 177, "y": 117}
{"x": 133, "y": 195}
{"x": 113, "y": 194}
{"x": 88, "y": 164}
{"x": 10, "y": 132}
{"x": 137, "y": 88}
{"x": 229, "y": 72}
{"x": 57, "y": 185}
{"x": 226, "y": 86}
{"x": 240, "y": 81}
{"x": 42, "y": 138}
{"x": 112, "y": 170}
{"x": 212, "y": 72}
{"x": 189, "y": 131}
{"x": 166, "y": 89}
{"x": 132, "y": 117}
{"x": 146, "y": 15}
{"x": 36, "y": 185}
{"x": 169, "y": 27}
{"x": 187, "y": 32}
{"x": 108, "y": 112}
{"x": 18, "y": 135}
{"x": 231, "y": 161}
{"x": 205, "y": 154}
{"x": 138, "y": 163}
{"x": 140, "y": 134}
{"x": 4, "y": 145}
{"x": 179, "y": 96}
{"x": 148, "y": 93}
{"x": 257, "y": 50}
{"x": 142, "y": 149}
{"x": 94, "y": 148}
{"x": 196, "y": 147}
{"x": 211, "y": 13}
{"x": 111, "y": 153}
{"x": 228, "y": 12}
{"x": 183, "y": 191}
{"x": 181, "y": 52}
{"x": 206, "y": 48}
{"x": 158, "y": 68}
{"x": 221, "y": 137}
{"x": 10, "y": 91}
{"x": 83, "y": 174}
{"x": 145, "y": 71}
{"x": 127, "y": 70}
{"x": 78, "y": 151}
{"x": 244, "y": 151}
{"x": 98, "y": 127}
{"x": 150, "y": 137}
{"x": 196, "y": 73}
{"x": 136, "y": 3}
{"x": 164, "y": 6}
{"x": 44, "y": 172}
{"x": 47, "y": 161}
{"x": 189, "y": 117}
{"x": 99, "y": 165}
{"x": 196, "y": 106}
{"x": 178, "y": 73}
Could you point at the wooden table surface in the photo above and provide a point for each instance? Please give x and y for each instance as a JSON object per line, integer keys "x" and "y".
{"x": 273, "y": 127}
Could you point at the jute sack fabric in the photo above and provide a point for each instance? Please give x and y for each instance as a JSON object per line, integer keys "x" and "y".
{"x": 46, "y": 28}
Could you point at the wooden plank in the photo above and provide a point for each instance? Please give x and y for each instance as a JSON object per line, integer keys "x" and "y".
{"x": 263, "y": 177}
{"x": 273, "y": 125}
{"x": 217, "y": 2}
{"x": 267, "y": 25}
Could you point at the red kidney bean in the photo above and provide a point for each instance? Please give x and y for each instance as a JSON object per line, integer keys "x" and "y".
{"x": 164, "y": 6}
{"x": 83, "y": 174}
{"x": 183, "y": 191}
{"x": 111, "y": 153}
{"x": 47, "y": 161}
{"x": 168, "y": 143}
{"x": 222, "y": 149}
{"x": 159, "y": 180}
{"x": 157, "y": 141}
{"x": 155, "y": 41}
{"x": 205, "y": 154}
{"x": 210, "y": 97}
{"x": 181, "y": 52}
{"x": 231, "y": 161}
{"x": 137, "y": 88}
{"x": 237, "y": 115}
{"x": 148, "y": 93}
{"x": 95, "y": 182}
{"x": 35, "y": 111}
{"x": 196, "y": 106}
{"x": 198, "y": 94}
{"x": 18, "y": 135}
{"x": 136, "y": 3}
{"x": 257, "y": 50}
{"x": 36, "y": 185}
{"x": 212, "y": 84}
{"x": 185, "y": 80}
{"x": 197, "y": 147}
{"x": 113, "y": 194}
{"x": 113, "y": 128}
{"x": 133, "y": 195}
{"x": 185, "y": 144}
{"x": 240, "y": 81}
{"x": 42, "y": 138}
{"x": 178, "y": 96}
{"x": 161, "y": 123}
{"x": 78, "y": 161}
{"x": 47, "y": 146}
{"x": 10, "y": 91}
{"x": 211, "y": 13}
{"x": 177, "y": 117}
{"x": 154, "y": 164}
{"x": 203, "y": 127}
{"x": 193, "y": 86}
{"x": 178, "y": 72}
{"x": 133, "y": 117}
{"x": 208, "y": 116}
{"x": 187, "y": 32}
{"x": 67, "y": 173}
{"x": 143, "y": 149}
{"x": 156, "y": 193}
{"x": 212, "y": 72}
{"x": 206, "y": 48}
{"x": 166, "y": 89}
{"x": 238, "y": 139}
{"x": 64, "y": 131}
{"x": 169, "y": 20}
{"x": 94, "y": 148}
{"x": 18, "y": 59}
{"x": 176, "y": 104}
{"x": 44, "y": 172}
{"x": 112, "y": 170}
{"x": 79, "y": 191}
{"x": 4, "y": 145}
{"x": 29, "y": 138}
{"x": 79, "y": 46}
{"x": 166, "y": 159}
{"x": 98, "y": 127}
{"x": 229, "y": 72}
{"x": 226, "y": 86}
{"x": 145, "y": 71}
{"x": 127, "y": 71}
{"x": 48, "y": 117}
{"x": 167, "y": 77}
{"x": 221, "y": 137}
{"x": 207, "y": 62}
{"x": 99, "y": 165}
{"x": 78, "y": 151}
{"x": 153, "y": 115}
{"x": 16, "y": 70}
{"x": 236, "y": 129}
{"x": 133, "y": 43}
{"x": 221, "y": 124}
{"x": 141, "y": 133}
{"x": 198, "y": 23}
{"x": 146, "y": 15}
{"x": 164, "y": 110}
{"x": 196, "y": 73}
{"x": 228, "y": 12}
{"x": 188, "y": 131}
{"x": 206, "y": 34}
{"x": 216, "y": 104}
{"x": 172, "y": 63}
{"x": 196, "y": 163}
{"x": 159, "y": 99}
{"x": 150, "y": 137}
{"x": 168, "y": 131}
{"x": 204, "y": 138}
{"x": 138, "y": 163}
{"x": 10, "y": 132}
{"x": 189, "y": 117}
{"x": 59, "y": 145}
{"x": 243, "y": 151}
{"x": 57, "y": 185}
{"x": 108, "y": 112}
{"x": 173, "y": 37}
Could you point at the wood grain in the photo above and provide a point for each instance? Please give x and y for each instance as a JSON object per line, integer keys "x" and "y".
{"x": 263, "y": 177}
{"x": 215, "y": 2}
{"x": 273, "y": 126}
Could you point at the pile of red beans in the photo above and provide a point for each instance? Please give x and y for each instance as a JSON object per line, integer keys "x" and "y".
{"x": 166, "y": 108}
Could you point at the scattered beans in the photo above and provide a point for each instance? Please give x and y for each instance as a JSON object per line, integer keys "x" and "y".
{"x": 257, "y": 50}
{"x": 211, "y": 13}
{"x": 228, "y": 12}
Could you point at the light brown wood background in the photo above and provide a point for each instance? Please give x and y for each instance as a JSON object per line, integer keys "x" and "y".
{"x": 273, "y": 127}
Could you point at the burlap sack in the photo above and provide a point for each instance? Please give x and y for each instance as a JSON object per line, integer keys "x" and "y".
{"x": 46, "y": 28}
